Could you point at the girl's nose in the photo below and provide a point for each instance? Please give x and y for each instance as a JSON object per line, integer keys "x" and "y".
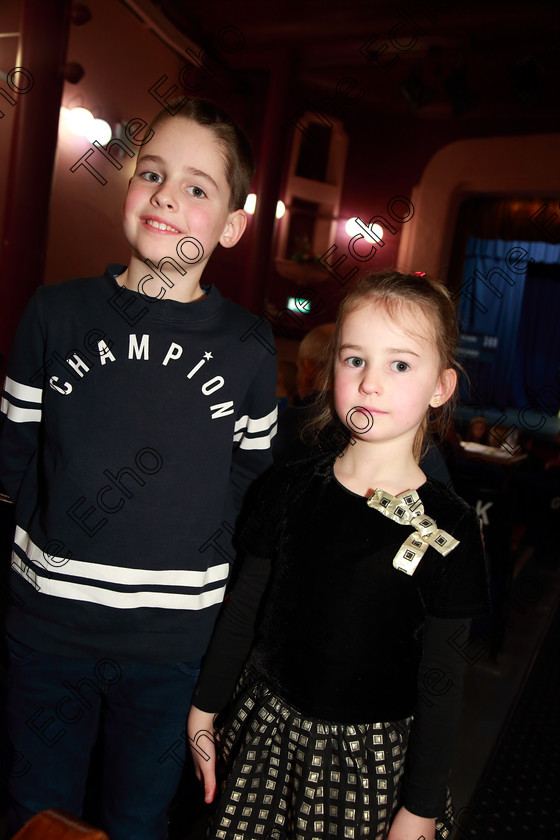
{"x": 371, "y": 382}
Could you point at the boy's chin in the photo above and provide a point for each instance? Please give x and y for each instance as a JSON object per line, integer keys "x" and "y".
{"x": 162, "y": 253}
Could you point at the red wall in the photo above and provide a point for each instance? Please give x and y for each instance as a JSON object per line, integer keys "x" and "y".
{"x": 122, "y": 59}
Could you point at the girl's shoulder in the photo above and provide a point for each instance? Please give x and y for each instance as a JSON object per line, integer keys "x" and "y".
{"x": 442, "y": 504}
{"x": 459, "y": 587}
{"x": 271, "y": 500}
{"x": 295, "y": 476}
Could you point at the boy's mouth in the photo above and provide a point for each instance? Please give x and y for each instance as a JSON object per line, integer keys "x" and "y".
{"x": 158, "y": 224}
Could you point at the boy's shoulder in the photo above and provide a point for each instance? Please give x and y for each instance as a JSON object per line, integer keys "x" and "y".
{"x": 252, "y": 332}
{"x": 238, "y": 312}
{"x": 78, "y": 287}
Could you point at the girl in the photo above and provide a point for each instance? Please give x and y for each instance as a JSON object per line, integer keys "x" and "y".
{"x": 375, "y": 573}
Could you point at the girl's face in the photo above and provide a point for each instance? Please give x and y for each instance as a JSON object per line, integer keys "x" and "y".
{"x": 387, "y": 373}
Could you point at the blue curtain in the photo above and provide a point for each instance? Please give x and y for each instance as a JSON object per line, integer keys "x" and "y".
{"x": 537, "y": 355}
{"x": 491, "y": 302}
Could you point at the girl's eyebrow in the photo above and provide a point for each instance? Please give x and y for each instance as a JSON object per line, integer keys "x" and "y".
{"x": 190, "y": 170}
{"x": 388, "y": 350}
{"x": 402, "y": 350}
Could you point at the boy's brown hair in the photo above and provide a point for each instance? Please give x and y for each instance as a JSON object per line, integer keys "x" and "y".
{"x": 235, "y": 146}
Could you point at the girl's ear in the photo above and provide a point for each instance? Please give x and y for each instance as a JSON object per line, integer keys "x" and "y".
{"x": 445, "y": 388}
{"x": 234, "y": 229}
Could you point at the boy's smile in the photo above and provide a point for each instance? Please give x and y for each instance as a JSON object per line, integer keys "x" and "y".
{"x": 179, "y": 193}
{"x": 159, "y": 224}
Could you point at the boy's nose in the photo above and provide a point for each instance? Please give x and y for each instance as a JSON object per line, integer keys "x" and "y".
{"x": 164, "y": 197}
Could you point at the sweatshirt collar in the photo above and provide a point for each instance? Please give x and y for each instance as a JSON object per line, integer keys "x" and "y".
{"x": 164, "y": 309}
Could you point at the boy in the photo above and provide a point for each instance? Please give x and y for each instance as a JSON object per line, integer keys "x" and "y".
{"x": 125, "y": 395}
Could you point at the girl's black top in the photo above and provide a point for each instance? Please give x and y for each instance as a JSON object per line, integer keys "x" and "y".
{"x": 340, "y": 633}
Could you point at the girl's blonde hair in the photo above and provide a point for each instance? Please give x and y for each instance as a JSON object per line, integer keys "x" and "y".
{"x": 395, "y": 292}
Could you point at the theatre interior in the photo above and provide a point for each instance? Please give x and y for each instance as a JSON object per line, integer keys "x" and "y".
{"x": 421, "y": 135}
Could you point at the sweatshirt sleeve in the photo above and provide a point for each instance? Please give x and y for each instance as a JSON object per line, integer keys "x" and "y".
{"x": 430, "y": 748}
{"x": 255, "y": 427}
{"x": 22, "y": 402}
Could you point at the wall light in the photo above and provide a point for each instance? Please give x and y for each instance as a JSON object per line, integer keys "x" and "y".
{"x": 99, "y": 130}
{"x": 250, "y": 204}
{"x": 80, "y": 121}
{"x": 352, "y": 228}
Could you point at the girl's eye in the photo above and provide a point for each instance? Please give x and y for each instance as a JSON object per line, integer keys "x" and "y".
{"x": 153, "y": 177}
{"x": 197, "y": 192}
{"x": 355, "y": 362}
{"x": 400, "y": 367}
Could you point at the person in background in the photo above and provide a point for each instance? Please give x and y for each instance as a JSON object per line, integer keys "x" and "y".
{"x": 311, "y": 359}
{"x": 478, "y": 431}
{"x": 286, "y": 387}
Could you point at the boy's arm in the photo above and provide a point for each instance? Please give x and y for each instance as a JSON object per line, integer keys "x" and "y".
{"x": 22, "y": 401}
{"x": 255, "y": 428}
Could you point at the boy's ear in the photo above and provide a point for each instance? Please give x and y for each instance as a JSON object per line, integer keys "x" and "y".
{"x": 234, "y": 229}
{"x": 445, "y": 388}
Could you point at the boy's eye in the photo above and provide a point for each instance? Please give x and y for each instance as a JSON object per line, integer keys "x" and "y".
{"x": 355, "y": 362}
{"x": 400, "y": 367}
{"x": 152, "y": 176}
{"x": 197, "y": 192}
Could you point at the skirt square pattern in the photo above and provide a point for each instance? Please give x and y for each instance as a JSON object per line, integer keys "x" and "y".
{"x": 296, "y": 778}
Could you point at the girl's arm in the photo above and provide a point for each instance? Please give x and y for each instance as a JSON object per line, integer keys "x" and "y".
{"x": 233, "y": 637}
{"x": 430, "y": 749}
{"x": 407, "y": 826}
{"x": 228, "y": 650}
{"x": 200, "y": 730}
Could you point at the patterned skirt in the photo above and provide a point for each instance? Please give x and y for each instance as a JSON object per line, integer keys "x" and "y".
{"x": 296, "y": 778}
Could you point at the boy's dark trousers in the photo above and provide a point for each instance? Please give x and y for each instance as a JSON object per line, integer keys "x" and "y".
{"x": 56, "y": 705}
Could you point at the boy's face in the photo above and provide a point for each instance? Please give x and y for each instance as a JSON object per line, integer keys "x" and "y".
{"x": 179, "y": 190}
